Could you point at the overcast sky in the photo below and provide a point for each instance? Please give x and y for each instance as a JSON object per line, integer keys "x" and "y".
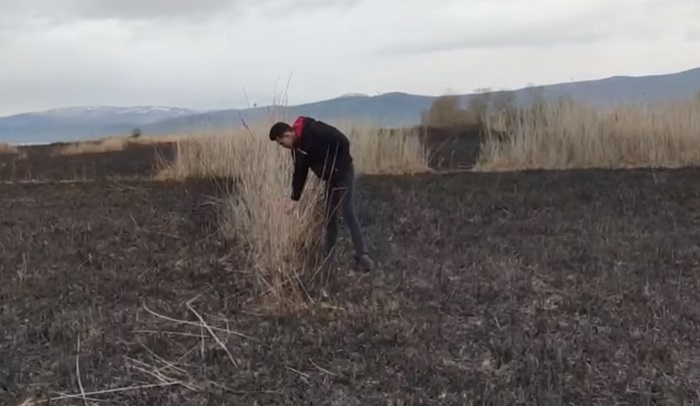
{"x": 202, "y": 53}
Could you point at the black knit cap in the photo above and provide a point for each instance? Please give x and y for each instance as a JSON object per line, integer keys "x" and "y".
{"x": 278, "y": 129}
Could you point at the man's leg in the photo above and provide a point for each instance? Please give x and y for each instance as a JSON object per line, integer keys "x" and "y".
{"x": 330, "y": 221}
{"x": 347, "y": 203}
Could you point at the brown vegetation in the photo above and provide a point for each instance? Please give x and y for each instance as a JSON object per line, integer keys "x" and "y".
{"x": 375, "y": 151}
{"x": 7, "y": 149}
{"x": 566, "y": 134}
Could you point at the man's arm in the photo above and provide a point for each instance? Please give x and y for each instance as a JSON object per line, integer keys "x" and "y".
{"x": 301, "y": 171}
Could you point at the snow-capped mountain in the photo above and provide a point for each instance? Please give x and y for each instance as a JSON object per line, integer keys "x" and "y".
{"x": 73, "y": 123}
{"x": 146, "y": 113}
{"x": 352, "y": 95}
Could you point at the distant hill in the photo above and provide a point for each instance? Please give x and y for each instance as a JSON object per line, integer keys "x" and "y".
{"x": 82, "y": 122}
{"x": 390, "y": 109}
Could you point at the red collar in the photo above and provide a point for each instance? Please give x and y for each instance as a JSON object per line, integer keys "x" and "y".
{"x": 298, "y": 126}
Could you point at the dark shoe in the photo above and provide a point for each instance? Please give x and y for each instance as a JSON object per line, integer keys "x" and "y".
{"x": 364, "y": 263}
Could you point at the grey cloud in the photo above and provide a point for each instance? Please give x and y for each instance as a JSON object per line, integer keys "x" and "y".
{"x": 590, "y": 25}
{"x": 69, "y": 10}
{"x": 520, "y": 38}
{"x": 276, "y": 8}
{"x": 525, "y": 37}
{"x": 199, "y": 53}
{"x": 129, "y": 9}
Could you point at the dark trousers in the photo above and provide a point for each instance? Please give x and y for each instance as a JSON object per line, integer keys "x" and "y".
{"x": 339, "y": 194}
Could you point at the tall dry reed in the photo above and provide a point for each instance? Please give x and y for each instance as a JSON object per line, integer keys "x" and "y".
{"x": 8, "y": 149}
{"x": 572, "y": 135}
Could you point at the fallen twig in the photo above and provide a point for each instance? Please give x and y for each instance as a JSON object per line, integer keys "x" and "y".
{"x": 157, "y": 374}
{"x": 77, "y": 373}
{"x": 175, "y": 333}
{"x": 307, "y": 376}
{"x": 323, "y": 369}
{"x": 102, "y": 392}
{"x": 214, "y": 336}
{"x": 191, "y": 323}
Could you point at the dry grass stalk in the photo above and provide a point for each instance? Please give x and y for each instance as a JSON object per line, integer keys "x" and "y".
{"x": 203, "y": 156}
{"x": 158, "y": 374}
{"x": 376, "y": 151}
{"x": 282, "y": 247}
{"x": 570, "y": 135}
{"x": 77, "y": 373}
{"x": 213, "y": 334}
{"x": 381, "y": 151}
{"x": 32, "y": 402}
{"x": 192, "y": 323}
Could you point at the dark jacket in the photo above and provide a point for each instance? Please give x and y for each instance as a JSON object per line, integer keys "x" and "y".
{"x": 319, "y": 147}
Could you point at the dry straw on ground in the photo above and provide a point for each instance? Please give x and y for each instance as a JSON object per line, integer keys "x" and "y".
{"x": 571, "y": 135}
{"x": 282, "y": 246}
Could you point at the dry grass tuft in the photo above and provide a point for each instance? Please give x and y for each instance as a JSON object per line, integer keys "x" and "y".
{"x": 571, "y": 135}
{"x": 204, "y": 156}
{"x": 113, "y": 144}
{"x": 375, "y": 151}
{"x": 378, "y": 151}
{"x": 279, "y": 245}
{"x": 282, "y": 246}
{"x": 7, "y": 149}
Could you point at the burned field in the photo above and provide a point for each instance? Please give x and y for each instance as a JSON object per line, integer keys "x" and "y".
{"x": 45, "y": 163}
{"x": 548, "y": 288}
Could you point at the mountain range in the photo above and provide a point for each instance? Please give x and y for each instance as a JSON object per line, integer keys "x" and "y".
{"x": 389, "y": 109}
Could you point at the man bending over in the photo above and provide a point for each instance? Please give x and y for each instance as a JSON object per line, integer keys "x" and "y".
{"x": 326, "y": 151}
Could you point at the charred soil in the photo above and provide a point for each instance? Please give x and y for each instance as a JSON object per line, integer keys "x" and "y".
{"x": 547, "y": 288}
{"x": 45, "y": 163}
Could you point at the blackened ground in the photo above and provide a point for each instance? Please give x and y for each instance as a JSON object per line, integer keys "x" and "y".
{"x": 541, "y": 288}
{"x": 453, "y": 148}
{"x": 41, "y": 163}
